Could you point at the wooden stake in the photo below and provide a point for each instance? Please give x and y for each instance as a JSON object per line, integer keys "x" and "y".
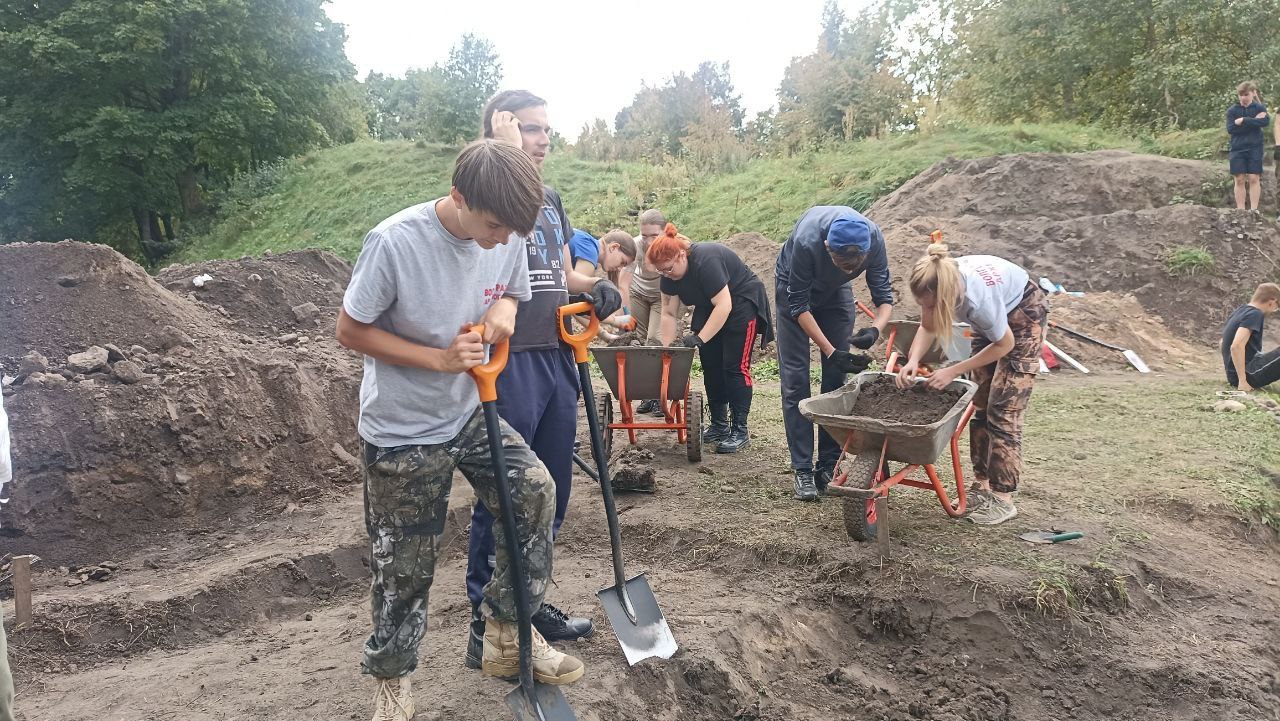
{"x": 882, "y": 525}
{"x": 21, "y": 591}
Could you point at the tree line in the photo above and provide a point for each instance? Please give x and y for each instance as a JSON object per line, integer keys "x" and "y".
{"x": 122, "y": 121}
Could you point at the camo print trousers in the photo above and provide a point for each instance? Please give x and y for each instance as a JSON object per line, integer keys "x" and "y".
{"x": 1004, "y": 389}
{"x": 406, "y": 498}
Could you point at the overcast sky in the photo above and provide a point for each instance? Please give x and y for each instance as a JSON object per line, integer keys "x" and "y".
{"x": 587, "y": 57}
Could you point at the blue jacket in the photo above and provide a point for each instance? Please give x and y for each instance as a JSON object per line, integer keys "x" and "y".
{"x": 1246, "y": 135}
{"x": 806, "y": 277}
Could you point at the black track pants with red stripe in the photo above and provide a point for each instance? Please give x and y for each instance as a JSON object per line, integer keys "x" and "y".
{"x": 726, "y": 365}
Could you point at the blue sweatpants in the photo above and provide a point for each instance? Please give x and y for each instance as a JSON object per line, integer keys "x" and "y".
{"x": 538, "y": 397}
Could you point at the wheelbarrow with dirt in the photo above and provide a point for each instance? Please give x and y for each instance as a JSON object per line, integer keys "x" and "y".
{"x": 868, "y": 443}
{"x": 641, "y": 373}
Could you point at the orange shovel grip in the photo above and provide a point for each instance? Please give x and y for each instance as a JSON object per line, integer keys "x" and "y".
{"x": 486, "y": 376}
{"x": 580, "y": 340}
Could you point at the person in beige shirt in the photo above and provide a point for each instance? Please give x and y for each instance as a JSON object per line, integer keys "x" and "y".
{"x": 645, "y": 297}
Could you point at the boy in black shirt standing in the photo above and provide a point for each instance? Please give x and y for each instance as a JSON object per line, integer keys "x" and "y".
{"x": 1246, "y": 365}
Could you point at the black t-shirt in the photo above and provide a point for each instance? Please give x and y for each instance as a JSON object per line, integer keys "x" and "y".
{"x": 1246, "y": 316}
{"x": 536, "y": 320}
{"x": 712, "y": 266}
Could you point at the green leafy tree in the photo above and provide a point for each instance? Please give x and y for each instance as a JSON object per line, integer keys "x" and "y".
{"x": 441, "y": 103}
{"x": 112, "y": 110}
{"x": 660, "y": 119}
{"x": 851, "y": 87}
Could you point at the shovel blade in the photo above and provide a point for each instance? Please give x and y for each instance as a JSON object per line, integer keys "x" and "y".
{"x": 545, "y": 703}
{"x": 1136, "y": 362}
{"x": 650, "y": 635}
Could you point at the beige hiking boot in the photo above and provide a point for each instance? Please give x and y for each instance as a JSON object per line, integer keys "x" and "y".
{"x": 502, "y": 656}
{"x": 394, "y": 701}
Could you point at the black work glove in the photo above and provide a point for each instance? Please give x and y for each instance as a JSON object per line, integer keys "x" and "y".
{"x": 846, "y": 362}
{"x": 606, "y": 299}
{"x": 865, "y": 338}
{"x": 691, "y": 341}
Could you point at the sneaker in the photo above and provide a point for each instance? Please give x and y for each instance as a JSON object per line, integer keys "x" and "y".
{"x": 648, "y": 406}
{"x": 976, "y": 498}
{"x": 995, "y": 511}
{"x": 394, "y": 700}
{"x": 501, "y": 657}
{"x": 475, "y": 639}
{"x": 805, "y": 490}
{"x": 556, "y": 625}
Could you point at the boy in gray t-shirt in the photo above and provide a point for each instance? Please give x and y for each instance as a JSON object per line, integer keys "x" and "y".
{"x": 423, "y": 278}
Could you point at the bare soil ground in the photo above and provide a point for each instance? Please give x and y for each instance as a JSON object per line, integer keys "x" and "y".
{"x": 217, "y": 484}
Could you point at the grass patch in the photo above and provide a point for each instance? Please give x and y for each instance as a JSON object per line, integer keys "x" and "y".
{"x": 1186, "y": 261}
{"x": 330, "y": 198}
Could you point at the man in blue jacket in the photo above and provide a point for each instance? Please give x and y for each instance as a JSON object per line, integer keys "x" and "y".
{"x": 830, "y": 246}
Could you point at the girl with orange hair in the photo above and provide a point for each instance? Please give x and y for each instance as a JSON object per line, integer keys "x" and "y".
{"x": 730, "y": 309}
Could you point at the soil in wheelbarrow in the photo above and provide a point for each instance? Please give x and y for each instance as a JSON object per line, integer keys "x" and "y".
{"x": 881, "y": 398}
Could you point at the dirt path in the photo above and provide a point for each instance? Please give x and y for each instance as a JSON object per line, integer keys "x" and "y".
{"x": 1167, "y": 609}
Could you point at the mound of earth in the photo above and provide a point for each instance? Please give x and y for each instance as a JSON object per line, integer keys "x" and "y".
{"x": 1121, "y": 321}
{"x": 1103, "y": 222}
{"x": 170, "y": 420}
{"x": 1054, "y": 186}
{"x": 260, "y": 294}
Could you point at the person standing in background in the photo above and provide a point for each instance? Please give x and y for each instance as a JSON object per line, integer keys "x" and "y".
{"x": 1245, "y": 121}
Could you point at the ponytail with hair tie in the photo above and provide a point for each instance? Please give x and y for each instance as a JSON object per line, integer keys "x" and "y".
{"x": 937, "y": 275}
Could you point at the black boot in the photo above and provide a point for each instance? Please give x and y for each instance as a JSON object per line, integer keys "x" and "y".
{"x": 719, "y": 428}
{"x": 556, "y": 625}
{"x": 475, "y": 639}
{"x": 822, "y": 478}
{"x": 739, "y": 437}
{"x": 804, "y": 488}
{"x": 650, "y": 406}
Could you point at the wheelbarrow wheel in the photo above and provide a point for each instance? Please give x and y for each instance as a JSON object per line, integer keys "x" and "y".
{"x": 693, "y": 427}
{"x": 860, "y": 514}
{"x": 604, "y": 412}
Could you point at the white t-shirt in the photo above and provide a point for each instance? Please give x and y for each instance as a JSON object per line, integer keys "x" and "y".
{"x": 993, "y": 287}
{"x": 418, "y": 281}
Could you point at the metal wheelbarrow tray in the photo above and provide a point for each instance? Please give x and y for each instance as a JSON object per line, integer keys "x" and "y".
{"x": 641, "y": 373}
{"x": 867, "y": 444}
{"x": 918, "y": 444}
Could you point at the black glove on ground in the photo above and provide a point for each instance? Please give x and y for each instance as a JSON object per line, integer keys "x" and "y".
{"x": 847, "y": 362}
{"x": 865, "y": 338}
{"x": 691, "y": 341}
{"x": 606, "y": 299}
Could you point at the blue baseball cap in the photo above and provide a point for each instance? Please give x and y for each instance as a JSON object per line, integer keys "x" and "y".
{"x": 849, "y": 234}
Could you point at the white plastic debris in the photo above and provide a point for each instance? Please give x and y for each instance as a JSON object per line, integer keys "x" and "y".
{"x": 200, "y": 280}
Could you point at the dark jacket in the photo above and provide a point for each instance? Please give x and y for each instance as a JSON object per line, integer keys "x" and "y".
{"x": 1246, "y": 135}
{"x": 806, "y": 277}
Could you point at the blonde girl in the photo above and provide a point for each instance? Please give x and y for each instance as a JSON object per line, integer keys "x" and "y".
{"x": 1007, "y": 314}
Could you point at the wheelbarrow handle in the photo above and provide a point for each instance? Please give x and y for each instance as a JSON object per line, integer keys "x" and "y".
{"x": 486, "y": 376}
{"x": 579, "y": 341}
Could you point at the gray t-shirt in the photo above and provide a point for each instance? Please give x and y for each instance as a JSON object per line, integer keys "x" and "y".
{"x": 993, "y": 287}
{"x": 644, "y": 280}
{"x": 416, "y": 280}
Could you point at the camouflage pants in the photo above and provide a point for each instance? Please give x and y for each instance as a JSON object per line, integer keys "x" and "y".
{"x": 1004, "y": 389}
{"x": 406, "y": 498}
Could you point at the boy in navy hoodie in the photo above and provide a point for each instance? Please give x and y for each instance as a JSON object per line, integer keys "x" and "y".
{"x": 1245, "y": 121}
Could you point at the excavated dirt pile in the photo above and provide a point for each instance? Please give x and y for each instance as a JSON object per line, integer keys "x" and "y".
{"x": 917, "y": 405}
{"x": 144, "y": 410}
{"x": 1101, "y": 222}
